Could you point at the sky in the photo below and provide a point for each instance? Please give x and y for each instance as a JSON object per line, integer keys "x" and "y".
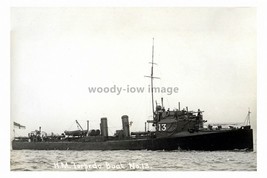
{"x": 57, "y": 53}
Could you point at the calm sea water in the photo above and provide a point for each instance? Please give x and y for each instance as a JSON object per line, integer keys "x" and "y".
{"x": 29, "y": 160}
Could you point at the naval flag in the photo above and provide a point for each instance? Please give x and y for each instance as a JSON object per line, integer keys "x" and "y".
{"x": 19, "y": 126}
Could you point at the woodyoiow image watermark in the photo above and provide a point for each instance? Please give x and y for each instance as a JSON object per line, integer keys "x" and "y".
{"x": 132, "y": 89}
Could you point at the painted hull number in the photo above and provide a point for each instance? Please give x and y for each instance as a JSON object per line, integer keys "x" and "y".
{"x": 162, "y": 127}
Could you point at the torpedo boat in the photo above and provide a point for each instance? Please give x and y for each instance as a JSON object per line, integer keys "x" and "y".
{"x": 178, "y": 129}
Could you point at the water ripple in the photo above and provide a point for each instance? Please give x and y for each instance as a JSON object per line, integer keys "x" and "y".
{"x": 30, "y": 160}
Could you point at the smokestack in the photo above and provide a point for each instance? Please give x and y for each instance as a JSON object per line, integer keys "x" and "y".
{"x": 40, "y": 129}
{"x": 179, "y": 106}
{"x": 125, "y": 125}
{"x": 162, "y": 102}
{"x": 87, "y": 128}
{"x": 104, "y": 127}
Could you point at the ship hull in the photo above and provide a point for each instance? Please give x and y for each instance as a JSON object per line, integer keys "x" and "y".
{"x": 206, "y": 141}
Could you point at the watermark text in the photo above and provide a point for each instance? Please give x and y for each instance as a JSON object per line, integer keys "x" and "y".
{"x": 131, "y": 89}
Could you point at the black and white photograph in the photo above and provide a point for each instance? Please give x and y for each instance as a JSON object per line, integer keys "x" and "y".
{"x": 138, "y": 88}
{"x": 133, "y": 89}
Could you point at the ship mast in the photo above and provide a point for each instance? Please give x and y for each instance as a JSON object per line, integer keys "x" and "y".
{"x": 247, "y": 120}
{"x": 152, "y": 78}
